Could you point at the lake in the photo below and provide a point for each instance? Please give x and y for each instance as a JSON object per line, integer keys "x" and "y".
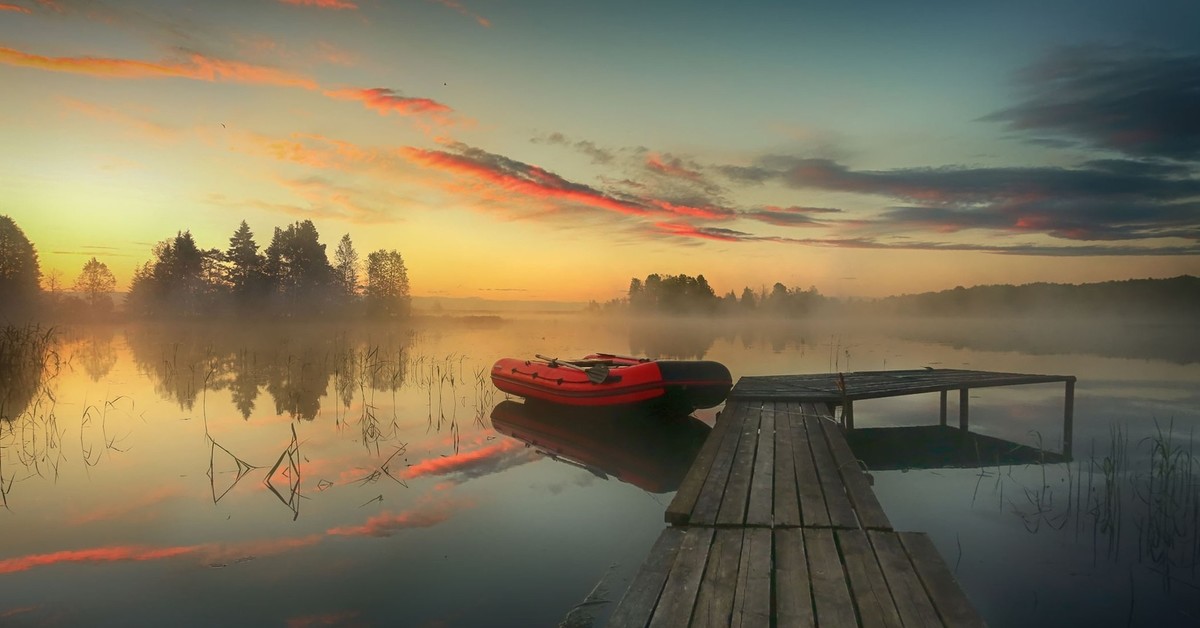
{"x": 303, "y": 474}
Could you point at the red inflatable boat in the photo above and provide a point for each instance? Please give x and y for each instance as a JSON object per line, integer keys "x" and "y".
{"x": 603, "y": 379}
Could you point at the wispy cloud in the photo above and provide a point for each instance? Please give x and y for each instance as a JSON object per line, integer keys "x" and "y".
{"x": 322, "y": 4}
{"x": 790, "y": 216}
{"x": 474, "y": 463}
{"x": 459, "y": 8}
{"x": 387, "y": 101}
{"x": 598, "y": 155}
{"x": 192, "y": 66}
{"x": 13, "y": 7}
{"x": 1137, "y": 101}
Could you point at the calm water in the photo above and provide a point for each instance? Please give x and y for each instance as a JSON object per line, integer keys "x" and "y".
{"x": 309, "y": 475}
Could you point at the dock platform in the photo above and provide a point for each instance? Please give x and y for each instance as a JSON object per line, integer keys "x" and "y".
{"x": 776, "y": 523}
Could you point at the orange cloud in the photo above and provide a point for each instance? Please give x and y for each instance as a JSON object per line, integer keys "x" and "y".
{"x": 672, "y": 167}
{"x": 196, "y": 67}
{"x": 709, "y": 212}
{"x": 93, "y": 555}
{"x": 13, "y": 7}
{"x": 387, "y": 101}
{"x": 386, "y": 523}
{"x": 703, "y": 233}
{"x": 463, "y": 461}
{"x": 322, "y": 4}
{"x": 107, "y": 114}
{"x": 344, "y": 618}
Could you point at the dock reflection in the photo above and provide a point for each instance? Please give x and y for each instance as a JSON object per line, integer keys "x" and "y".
{"x": 940, "y": 447}
{"x": 652, "y": 452}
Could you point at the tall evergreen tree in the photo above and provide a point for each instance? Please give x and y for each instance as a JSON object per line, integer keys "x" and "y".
{"x": 298, "y": 267}
{"x": 244, "y": 267}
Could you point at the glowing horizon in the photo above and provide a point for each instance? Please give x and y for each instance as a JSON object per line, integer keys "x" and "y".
{"x": 544, "y": 152}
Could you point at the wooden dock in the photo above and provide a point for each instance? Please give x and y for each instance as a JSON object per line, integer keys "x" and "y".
{"x": 776, "y": 524}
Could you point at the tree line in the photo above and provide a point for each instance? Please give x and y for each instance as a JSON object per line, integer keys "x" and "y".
{"x": 291, "y": 277}
{"x": 686, "y": 295}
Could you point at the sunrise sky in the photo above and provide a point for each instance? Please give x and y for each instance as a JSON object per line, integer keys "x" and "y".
{"x": 555, "y": 149}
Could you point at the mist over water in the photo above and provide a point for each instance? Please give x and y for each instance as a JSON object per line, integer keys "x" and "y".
{"x": 200, "y": 474}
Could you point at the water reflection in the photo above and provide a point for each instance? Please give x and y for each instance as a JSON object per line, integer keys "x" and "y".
{"x": 649, "y": 451}
{"x": 28, "y": 358}
{"x": 939, "y": 447}
{"x": 294, "y": 364}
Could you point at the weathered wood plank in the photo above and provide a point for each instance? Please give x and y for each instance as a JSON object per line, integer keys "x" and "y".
{"x": 752, "y": 597}
{"x": 858, "y": 489}
{"x": 737, "y": 490}
{"x": 683, "y": 582}
{"x": 786, "y": 495}
{"x": 831, "y": 596}
{"x": 813, "y": 511}
{"x": 841, "y": 511}
{"x": 948, "y": 598}
{"x": 762, "y": 492}
{"x": 793, "y": 588}
{"x": 711, "y": 494}
{"x": 684, "y": 501}
{"x": 637, "y": 605}
{"x": 870, "y": 590}
{"x": 714, "y": 604}
{"x": 912, "y": 602}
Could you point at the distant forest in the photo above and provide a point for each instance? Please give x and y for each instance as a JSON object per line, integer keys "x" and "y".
{"x": 1178, "y": 297}
{"x": 291, "y": 277}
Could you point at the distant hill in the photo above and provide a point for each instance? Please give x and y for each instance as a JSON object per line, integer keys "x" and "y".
{"x": 1168, "y": 298}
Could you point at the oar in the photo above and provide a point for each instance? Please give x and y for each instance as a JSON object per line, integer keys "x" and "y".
{"x": 596, "y": 374}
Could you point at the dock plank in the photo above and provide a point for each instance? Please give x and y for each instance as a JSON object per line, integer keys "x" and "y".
{"x": 752, "y": 597}
{"x": 949, "y": 600}
{"x": 714, "y": 604}
{"x": 683, "y": 582}
{"x": 637, "y": 605}
{"x": 709, "y": 501}
{"x": 867, "y": 584}
{"x": 813, "y": 511}
{"x": 759, "y": 512}
{"x": 841, "y": 510}
{"x": 831, "y": 597}
{"x": 785, "y": 488}
{"x": 737, "y": 490}
{"x": 793, "y": 588}
{"x": 912, "y": 602}
{"x": 858, "y": 488}
{"x": 680, "y": 510}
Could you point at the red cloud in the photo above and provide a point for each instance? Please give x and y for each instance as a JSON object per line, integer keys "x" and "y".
{"x": 522, "y": 178}
{"x": 703, "y": 233}
{"x": 322, "y": 4}
{"x": 387, "y": 101}
{"x": 710, "y": 212}
{"x": 13, "y": 7}
{"x": 197, "y": 67}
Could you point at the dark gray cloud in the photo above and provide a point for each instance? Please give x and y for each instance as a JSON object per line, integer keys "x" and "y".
{"x": 1100, "y": 200}
{"x": 1143, "y": 103}
{"x": 595, "y": 153}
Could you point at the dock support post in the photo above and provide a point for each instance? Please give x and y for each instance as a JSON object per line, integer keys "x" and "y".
{"x": 942, "y": 415}
{"x": 1068, "y": 418}
{"x": 848, "y": 414}
{"x": 962, "y": 409}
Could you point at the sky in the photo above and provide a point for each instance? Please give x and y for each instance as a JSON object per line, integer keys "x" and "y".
{"x": 556, "y": 149}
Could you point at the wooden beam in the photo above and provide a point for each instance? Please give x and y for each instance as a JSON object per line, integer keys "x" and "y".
{"x": 1068, "y": 419}
{"x": 831, "y": 597}
{"x": 871, "y": 594}
{"x": 752, "y": 597}
{"x": 793, "y": 588}
{"x": 714, "y": 604}
{"x": 762, "y": 483}
{"x": 737, "y": 490}
{"x": 963, "y": 404}
{"x": 942, "y": 414}
{"x": 787, "y": 498}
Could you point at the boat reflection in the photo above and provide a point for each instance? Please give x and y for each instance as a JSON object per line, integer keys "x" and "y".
{"x": 652, "y": 452}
